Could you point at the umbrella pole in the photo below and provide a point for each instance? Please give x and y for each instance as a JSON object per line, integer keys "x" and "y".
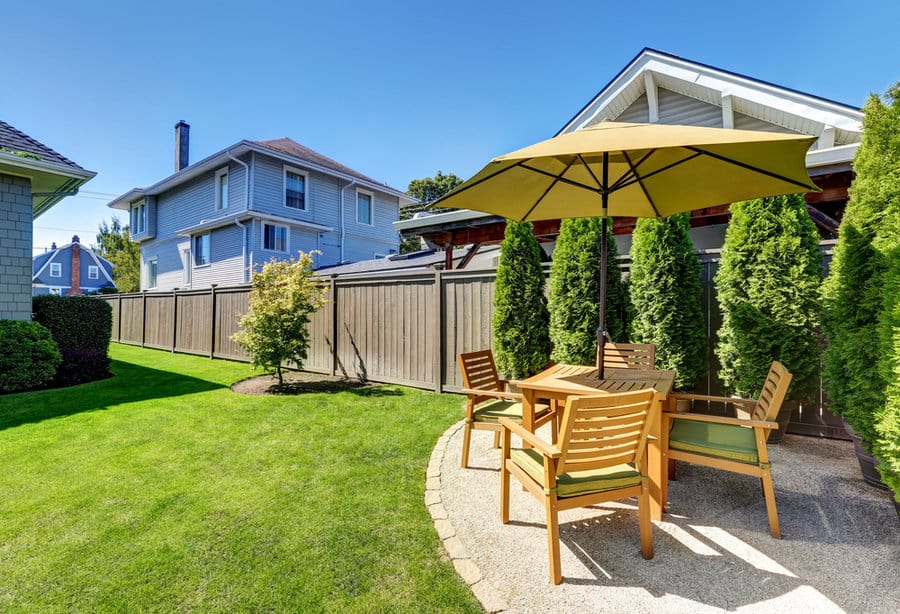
{"x": 602, "y": 333}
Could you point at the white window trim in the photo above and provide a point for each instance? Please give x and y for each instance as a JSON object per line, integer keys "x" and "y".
{"x": 287, "y": 238}
{"x": 93, "y": 271}
{"x": 55, "y": 266}
{"x": 371, "y": 196}
{"x": 218, "y": 185}
{"x": 194, "y": 252}
{"x": 296, "y": 171}
{"x": 187, "y": 263}
{"x": 139, "y": 217}
{"x": 154, "y": 259}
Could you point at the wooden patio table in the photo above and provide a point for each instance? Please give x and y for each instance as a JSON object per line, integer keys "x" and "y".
{"x": 561, "y": 381}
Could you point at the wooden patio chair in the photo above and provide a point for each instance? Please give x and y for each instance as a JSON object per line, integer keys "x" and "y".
{"x": 489, "y": 400}
{"x": 731, "y": 444}
{"x": 601, "y": 456}
{"x": 629, "y": 355}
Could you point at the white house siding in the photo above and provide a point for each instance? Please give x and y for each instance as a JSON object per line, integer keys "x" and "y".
{"x": 745, "y": 122}
{"x": 637, "y": 113}
{"x": 677, "y": 109}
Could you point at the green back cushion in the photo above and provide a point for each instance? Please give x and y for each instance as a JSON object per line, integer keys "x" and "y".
{"x": 576, "y": 482}
{"x": 492, "y": 411}
{"x": 721, "y": 440}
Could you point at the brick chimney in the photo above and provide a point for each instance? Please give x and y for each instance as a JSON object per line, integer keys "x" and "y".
{"x": 182, "y": 144}
{"x": 75, "y": 290}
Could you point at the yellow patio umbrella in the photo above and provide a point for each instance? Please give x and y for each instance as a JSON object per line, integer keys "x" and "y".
{"x": 635, "y": 170}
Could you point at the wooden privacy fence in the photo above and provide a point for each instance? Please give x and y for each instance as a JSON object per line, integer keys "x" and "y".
{"x": 400, "y": 328}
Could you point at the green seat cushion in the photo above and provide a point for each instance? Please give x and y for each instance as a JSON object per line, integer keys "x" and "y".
{"x": 576, "y": 482}
{"x": 710, "y": 439}
{"x": 492, "y": 411}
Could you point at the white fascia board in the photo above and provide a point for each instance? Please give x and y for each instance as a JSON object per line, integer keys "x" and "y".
{"x": 25, "y": 164}
{"x": 227, "y": 220}
{"x": 440, "y": 218}
{"x": 833, "y": 155}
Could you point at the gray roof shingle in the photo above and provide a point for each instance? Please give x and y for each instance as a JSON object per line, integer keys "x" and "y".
{"x": 293, "y": 148}
{"x": 15, "y": 140}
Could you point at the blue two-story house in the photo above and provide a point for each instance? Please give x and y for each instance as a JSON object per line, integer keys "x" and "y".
{"x": 217, "y": 220}
{"x": 70, "y": 270}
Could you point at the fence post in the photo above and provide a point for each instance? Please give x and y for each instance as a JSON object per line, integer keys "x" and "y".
{"x": 439, "y": 333}
{"x": 174, "y": 319}
{"x": 212, "y": 331}
{"x": 143, "y": 316}
{"x": 119, "y": 327}
{"x": 334, "y": 326}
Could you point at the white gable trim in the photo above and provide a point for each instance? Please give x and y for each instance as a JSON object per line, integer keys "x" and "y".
{"x": 734, "y": 93}
{"x": 46, "y": 264}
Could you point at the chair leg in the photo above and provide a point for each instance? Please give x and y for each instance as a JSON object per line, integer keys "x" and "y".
{"x": 504, "y": 492}
{"x": 467, "y": 436}
{"x": 553, "y": 539}
{"x": 496, "y": 439}
{"x": 644, "y": 520}
{"x": 554, "y": 430}
{"x": 769, "y": 493}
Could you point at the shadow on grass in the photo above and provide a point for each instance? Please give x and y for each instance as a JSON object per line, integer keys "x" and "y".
{"x": 130, "y": 384}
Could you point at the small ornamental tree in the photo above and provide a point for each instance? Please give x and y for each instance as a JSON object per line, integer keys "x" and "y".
{"x": 520, "y": 320}
{"x": 665, "y": 291}
{"x": 853, "y": 293}
{"x": 768, "y": 290}
{"x": 574, "y": 300}
{"x": 274, "y": 331}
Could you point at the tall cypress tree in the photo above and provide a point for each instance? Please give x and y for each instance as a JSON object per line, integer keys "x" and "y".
{"x": 665, "y": 291}
{"x": 853, "y": 292}
{"x": 768, "y": 290}
{"x": 520, "y": 320}
{"x": 575, "y": 291}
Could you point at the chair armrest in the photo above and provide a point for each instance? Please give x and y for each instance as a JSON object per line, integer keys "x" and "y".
{"x": 704, "y": 397}
{"x": 500, "y": 394}
{"x": 536, "y": 442}
{"x": 671, "y": 415}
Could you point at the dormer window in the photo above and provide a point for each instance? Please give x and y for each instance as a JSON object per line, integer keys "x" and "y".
{"x": 55, "y": 269}
{"x": 222, "y": 189}
{"x": 93, "y": 272}
{"x": 295, "y": 188}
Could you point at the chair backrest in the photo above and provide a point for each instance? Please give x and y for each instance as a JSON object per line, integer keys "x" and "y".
{"x": 603, "y": 431}
{"x": 629, "y": 355}
{"x": 479, "y": 372}
{"x": 773, "y": 392}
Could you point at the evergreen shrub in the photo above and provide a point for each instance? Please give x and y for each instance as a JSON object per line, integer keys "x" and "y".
{"x": 82, "y": 328}
{"x": 29, "y": 358}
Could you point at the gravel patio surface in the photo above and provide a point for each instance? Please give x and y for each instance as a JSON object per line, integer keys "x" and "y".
{"x": 713, "y": 551}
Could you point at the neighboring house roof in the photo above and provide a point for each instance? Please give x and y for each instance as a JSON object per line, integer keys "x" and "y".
{"x": 53, "y": 176}
{"x": 284, "y": 149}
{"x": 658, "y": 87}
{"x": 40, "y": 266}
{"x": 414, "y": 261}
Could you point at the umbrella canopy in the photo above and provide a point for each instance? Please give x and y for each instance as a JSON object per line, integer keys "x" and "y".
{"x": 635, "y": 170}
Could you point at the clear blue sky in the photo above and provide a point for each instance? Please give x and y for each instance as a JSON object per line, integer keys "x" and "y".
{"x": 395, "y": 90}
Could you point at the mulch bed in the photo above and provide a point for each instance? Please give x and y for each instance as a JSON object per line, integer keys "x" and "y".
{"x": 297, "y": 382}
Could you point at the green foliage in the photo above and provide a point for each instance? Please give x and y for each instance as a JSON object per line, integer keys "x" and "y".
{"x": 665, "y": 291}
{"x": 81, "y": 327}
{"x": 29, "y": 358}
{"x": 853, "y": 293}
{"x": 878, "y": 178}
{"x": 520, "y": 320}
{"x": 274, "y": 331}
{"x": 114, "y": 243}
{"x": 575, "y": 291}
{"x": 768, "y": 290}
{"x": 427, "y": 190}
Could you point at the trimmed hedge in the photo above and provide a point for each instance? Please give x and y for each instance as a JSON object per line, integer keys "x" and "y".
{"x": 29, "y": 358}
{"x": 81, "y": 327}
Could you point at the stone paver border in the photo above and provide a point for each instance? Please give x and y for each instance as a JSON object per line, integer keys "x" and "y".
{"x": 465, "y": 566}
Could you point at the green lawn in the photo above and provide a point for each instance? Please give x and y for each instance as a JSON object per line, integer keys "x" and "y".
{"x": 161, "y": 490}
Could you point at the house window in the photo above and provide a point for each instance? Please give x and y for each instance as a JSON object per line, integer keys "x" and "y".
{"x": 201, "y": 250}
{"x": 186, "y": 261}
{"x": 56, "y": 291}
{"x": 294, "y": 189}
{"x": 222, "y": 189}
{"x": 139, "y": 217}
{"x": 152, "y": 271}
{"x": 275, "y": 237}
{"x": 93, "y": 272}
{"x": 364, "y": 208}
{"x": 55, "y": 269}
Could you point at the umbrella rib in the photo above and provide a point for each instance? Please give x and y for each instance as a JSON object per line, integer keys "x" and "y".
{"x": 600, "y": 185}
{"x": 749, "y": 167}
{"x": 641, "y": 183}
{"x": 625, "y": 184}
{"x": 549, "y": 187}
{"x": 463, "y": 188}
{"x": 631, "y": 178}
{"x": 559, "y": 177}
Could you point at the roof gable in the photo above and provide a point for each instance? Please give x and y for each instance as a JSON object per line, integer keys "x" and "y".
{"x": 291, "y": 147}
{"x": 658, "y": 87}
